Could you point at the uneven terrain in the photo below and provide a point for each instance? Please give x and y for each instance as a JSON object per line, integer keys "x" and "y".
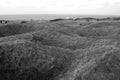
{"x": 60, "y": 49}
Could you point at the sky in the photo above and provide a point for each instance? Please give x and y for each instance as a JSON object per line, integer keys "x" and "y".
{"x": 95, "y": 7}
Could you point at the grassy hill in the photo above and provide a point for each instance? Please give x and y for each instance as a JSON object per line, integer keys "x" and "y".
{"x": 60, "y": 50}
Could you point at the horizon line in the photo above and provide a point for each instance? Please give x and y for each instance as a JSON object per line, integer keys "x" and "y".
{"x": 67, "y": 14}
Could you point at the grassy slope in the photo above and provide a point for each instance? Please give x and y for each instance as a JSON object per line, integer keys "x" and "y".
{"x": 71, "y": 50}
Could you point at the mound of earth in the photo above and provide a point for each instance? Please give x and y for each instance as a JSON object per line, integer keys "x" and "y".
{"x": 60, "y": 50}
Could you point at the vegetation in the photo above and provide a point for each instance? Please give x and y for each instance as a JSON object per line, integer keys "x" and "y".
{"x": 60, "y": 50}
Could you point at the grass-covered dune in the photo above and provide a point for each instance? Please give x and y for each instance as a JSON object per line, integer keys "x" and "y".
{"x": 60, "y": 50}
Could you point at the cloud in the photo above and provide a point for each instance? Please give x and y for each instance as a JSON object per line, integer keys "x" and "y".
{"x": 61, "y": 6}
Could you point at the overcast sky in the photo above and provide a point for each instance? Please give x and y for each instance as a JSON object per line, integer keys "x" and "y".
{"x": 105, "y": 7}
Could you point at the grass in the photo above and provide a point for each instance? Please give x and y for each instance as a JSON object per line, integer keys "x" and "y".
{"x": 57, "y": 50}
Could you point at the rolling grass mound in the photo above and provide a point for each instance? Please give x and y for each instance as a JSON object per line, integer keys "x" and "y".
{"x": 21, "y": 28}
{"x": 57, "y": 50}
{"x": 103, "y": 65}
{"x": 99, "y": 29}
{"x": 25, "y": 60}
{"x": 14, "y": 29}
